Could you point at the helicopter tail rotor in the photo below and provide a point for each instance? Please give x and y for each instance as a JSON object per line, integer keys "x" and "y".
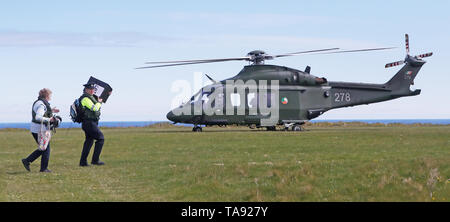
{"x": 392, "y": 64}
{"x": 408, "y": 58}
{"x": 407, "y": 44}
{"x": 424, "y": 55}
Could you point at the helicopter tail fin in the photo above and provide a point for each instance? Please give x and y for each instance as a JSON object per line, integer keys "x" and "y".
{"x": 404, "y": 78}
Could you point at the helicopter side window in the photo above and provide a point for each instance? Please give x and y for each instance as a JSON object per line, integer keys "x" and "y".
{"x": 267, "y": 96}
{"x": 269, "y": 100}
{"x": 295, "y": 77}
{"x": 252, "y": 100}
{"x": 235, "y": 99}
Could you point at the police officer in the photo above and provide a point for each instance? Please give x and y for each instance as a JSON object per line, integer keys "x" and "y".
{"x": 91, "y": 114}
{"x": 41, "y": 113}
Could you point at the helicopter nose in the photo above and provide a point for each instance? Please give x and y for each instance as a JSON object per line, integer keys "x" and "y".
{"x": 172, "y": 117}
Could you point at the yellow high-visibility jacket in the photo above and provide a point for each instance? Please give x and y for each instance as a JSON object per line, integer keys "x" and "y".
{"x": 91, "y": 107}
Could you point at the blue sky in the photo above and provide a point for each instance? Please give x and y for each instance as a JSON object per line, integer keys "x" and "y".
{"x": 58, "y": 45}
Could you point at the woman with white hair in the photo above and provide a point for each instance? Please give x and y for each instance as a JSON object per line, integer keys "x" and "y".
{"x": 42, "y": 115}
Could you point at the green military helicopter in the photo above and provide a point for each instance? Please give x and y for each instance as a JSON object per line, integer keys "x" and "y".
{"x": 295, "y": 98}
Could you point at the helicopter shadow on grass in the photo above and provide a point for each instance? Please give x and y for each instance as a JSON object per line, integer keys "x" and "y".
{"x": 12, "y": 170}
{"x": 221, "y": 131}
{"x": 16, "y": 173}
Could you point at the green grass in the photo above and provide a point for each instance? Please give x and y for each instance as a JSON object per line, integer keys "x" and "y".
{"x": 333, "y": 163}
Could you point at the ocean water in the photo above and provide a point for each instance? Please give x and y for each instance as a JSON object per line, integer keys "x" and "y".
{"x": 78, "y": 125}
{"x": 387, "y": 121}
{"x": 147, "y": 123}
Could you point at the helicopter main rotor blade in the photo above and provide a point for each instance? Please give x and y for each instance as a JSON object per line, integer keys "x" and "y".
{"x": 202, "y": 60}
{"x": 253, "y": 58}
{"x": 360, "y": 50}
{"x": 304, "y": 52}
{"x": 180, "y": 64}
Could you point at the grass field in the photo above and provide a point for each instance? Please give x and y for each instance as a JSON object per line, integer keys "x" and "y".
{"x": 336, "y": 162}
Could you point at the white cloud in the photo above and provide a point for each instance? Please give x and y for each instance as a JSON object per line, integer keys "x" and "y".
{"x": 248, "y": 19}
{"x": 278, "y": 42}
{"x": 112, "y": 39}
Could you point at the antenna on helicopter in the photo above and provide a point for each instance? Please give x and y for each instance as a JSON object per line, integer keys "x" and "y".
{"x": 211, "y": 79}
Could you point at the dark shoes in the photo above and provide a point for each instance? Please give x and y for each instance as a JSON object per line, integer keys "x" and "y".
{"x": 99, "y": 163}
{"x": 26, "y": 164}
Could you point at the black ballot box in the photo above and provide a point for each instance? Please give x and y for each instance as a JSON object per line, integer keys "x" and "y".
{"x": 102, "y": 89}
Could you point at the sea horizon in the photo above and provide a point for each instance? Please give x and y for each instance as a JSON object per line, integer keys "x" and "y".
{"x": 119, "y": 124}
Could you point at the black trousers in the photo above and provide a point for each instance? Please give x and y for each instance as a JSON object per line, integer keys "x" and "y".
{"x": 92, "y": 133}
{"x": 37, "y": 153}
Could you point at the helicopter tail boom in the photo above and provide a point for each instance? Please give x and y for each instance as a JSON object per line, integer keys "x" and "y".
{"x": 352, "y": 94}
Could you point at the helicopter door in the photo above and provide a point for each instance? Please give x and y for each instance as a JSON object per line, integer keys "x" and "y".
{"x": 197, "y": 103}
{"x": 289, "y": 105}
{"x": 237, "y": 102}
{"x": 252, "y": 103}
{"x": 216, "y": 115}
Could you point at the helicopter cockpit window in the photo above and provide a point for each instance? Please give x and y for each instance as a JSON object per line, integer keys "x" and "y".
{"x": 218, "y": 101}
{"x": 195, "y": 98}
{"x": 205, "y": 97}
{"x": 201, "y": 96}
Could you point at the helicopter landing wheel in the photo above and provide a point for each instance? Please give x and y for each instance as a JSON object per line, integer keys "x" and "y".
{"x": 197, "y": 129}
{"x": 288, "y": 126}
{"x": 297, "y": 127}
{"x": 271, "y": 128}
